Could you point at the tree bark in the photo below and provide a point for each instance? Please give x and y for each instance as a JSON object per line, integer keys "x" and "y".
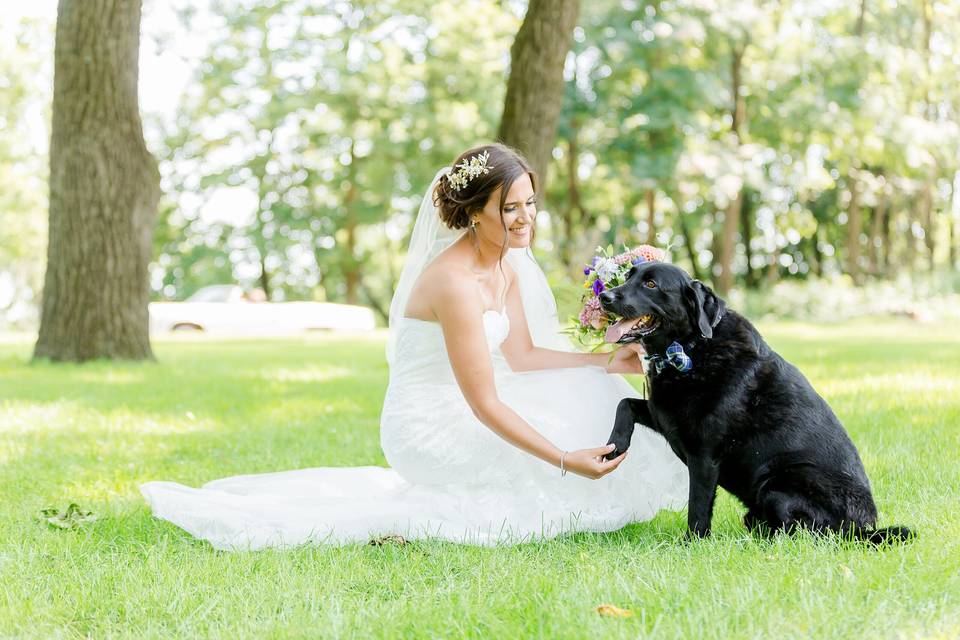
{"x": 350, "y": 264}
{"x": 929, "y": 226}
{"x": 876, "y": 235}
{"x": 854, "y": 228}
{"x": 817, "y": 254}
{"x": 731, "y": 218}
{"x": 953, "y": 222}
{"x": 861, "y": 15}
{"x": 746, "y": 231}
{"x": 688, "y": 242}
{"x": 651, "y": 216}
{"x": 535, "y": 87}
{"x": 104, "y": 190}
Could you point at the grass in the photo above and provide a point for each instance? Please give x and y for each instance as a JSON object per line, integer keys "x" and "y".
{"x": 207, "y": 409}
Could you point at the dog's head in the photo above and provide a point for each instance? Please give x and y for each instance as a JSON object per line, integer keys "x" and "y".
{"x": 660, "y": 303}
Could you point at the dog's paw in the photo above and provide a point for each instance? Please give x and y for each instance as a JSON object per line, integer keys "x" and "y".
{"x": 620, "y": 448}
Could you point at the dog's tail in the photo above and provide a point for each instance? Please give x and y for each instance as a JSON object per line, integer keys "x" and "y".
{"x": 885, "y": 535}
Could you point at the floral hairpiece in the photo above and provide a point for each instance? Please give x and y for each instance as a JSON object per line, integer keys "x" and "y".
{"x": 468, "y": 170}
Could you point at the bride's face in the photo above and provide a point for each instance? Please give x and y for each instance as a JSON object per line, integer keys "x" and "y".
{"x": 519, "y": 211}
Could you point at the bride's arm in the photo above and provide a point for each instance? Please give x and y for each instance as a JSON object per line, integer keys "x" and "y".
{"x": 523, "y": 355}
{"x": 461, "y": 318}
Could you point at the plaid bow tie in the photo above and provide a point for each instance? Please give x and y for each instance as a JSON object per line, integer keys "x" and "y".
{"x": 675, "y": 357}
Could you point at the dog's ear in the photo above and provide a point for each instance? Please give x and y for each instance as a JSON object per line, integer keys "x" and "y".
{"x": 703, "y": 305}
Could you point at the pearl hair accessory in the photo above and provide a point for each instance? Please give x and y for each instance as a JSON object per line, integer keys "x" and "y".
{"x": 468, "y": 170}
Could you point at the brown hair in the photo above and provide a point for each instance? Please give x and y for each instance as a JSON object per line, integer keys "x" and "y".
{"x": 457, "y": 206}
{"x": 506, "y": 165}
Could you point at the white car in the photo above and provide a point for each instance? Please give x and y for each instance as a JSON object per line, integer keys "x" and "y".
{"x": 224, "y": 308}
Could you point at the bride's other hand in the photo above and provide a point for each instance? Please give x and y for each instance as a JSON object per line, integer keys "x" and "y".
{"x": 589, "y": 463}
{"x": 627, "y": 359}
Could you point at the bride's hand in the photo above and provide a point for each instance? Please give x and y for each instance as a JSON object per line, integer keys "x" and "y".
{"x": 626, "y": 359}
{"x": 589, "y": 463}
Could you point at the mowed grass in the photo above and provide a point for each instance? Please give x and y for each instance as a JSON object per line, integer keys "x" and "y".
{"x": 207, "y": 409}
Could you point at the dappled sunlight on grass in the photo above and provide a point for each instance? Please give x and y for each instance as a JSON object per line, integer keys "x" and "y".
{"x": 306, "y": 374}
{"x": 208, "y": 409}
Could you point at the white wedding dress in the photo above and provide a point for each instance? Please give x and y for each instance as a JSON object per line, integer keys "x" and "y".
{"x": 450, "y": 476}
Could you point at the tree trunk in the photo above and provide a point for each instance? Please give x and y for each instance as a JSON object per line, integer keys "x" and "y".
{"x": 688, "y": 242}
{"x": 887, "y": 239}
{"x": 104, "y": 190}
{"x": 350, "y": 264}
{"x": 817, "y": 254}
{"x": 265, "y": 278}
{"x": 746, "y": 231}
{"x": 773, "y": 269}
{"x": 876, "y": 235}
{"x": 566, "y": 253}
{"x": 854, "y": 228}
{"x": 651, "y": 216}
{"x": 535, "y": 87}
{"x": 953, "y": 221}
{"x": 858, "y": 29}
{"x": 929, "y": 225}
{"x": 731, "y": 218}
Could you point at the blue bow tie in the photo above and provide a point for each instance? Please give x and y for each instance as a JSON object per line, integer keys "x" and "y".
{"x": 674, "y": 357}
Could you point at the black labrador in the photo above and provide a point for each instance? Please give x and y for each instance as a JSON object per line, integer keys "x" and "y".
{"x": 736, "y": 413}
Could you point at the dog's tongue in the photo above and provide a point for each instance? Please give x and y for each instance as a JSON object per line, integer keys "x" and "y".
{"x": 616, "y": 330}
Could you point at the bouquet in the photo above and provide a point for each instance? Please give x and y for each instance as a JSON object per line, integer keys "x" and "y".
{"x": 606, "y": 271}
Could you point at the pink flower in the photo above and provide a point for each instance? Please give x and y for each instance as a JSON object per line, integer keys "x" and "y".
{"x": 592, "y": 315}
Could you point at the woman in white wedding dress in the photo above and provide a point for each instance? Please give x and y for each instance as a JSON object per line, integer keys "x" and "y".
{"x": 492, "y": 425}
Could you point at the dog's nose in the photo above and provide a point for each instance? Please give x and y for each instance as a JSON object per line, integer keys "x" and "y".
{"x": 606, "y": 297}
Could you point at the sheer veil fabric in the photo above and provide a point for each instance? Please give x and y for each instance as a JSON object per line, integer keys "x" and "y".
{"x": 450, "y": 476}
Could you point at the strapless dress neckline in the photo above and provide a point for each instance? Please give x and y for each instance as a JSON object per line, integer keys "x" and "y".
{"x": 502, "y": 313}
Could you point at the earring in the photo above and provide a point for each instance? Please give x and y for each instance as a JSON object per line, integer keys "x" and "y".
{"x": 473, "y": 224}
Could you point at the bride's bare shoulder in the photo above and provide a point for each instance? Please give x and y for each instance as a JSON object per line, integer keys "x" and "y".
{"x": 444, "y": 282}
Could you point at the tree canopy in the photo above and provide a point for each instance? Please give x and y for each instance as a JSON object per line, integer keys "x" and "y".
{"x": 760, "y": 140}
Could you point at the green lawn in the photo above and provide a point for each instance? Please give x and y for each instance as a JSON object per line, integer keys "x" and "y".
{"x": 89, "y": 434}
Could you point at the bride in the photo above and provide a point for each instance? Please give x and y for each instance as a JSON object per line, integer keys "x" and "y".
{"x": 491, "y": 423}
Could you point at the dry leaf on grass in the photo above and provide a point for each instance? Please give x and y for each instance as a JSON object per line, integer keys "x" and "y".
{"x": 614, "y": 612}
{"x": 72, "y": 518}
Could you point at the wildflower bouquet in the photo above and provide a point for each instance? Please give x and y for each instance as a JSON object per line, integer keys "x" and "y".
{"x": 607, "y": 271}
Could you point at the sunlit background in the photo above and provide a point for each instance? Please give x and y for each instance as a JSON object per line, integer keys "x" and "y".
{"x": 295, "y": 139}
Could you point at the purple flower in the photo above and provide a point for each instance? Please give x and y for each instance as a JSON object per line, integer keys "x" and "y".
{"x": 638, "y": 260}
{"x": 587, "y": 271}
{"x": 597, "y": 286}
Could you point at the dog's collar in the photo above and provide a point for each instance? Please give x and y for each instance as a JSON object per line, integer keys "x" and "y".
{"x": 676, "y": 354}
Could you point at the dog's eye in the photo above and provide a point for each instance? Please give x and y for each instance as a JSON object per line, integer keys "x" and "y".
{"x": 650, "y": 284}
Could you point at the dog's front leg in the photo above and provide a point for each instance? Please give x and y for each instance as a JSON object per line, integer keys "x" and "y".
{"x": 704, "y": 473}
{"x": 629, "y": 412}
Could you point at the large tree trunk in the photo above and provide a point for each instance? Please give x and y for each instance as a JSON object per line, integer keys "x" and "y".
{"x": 104, "y": 189}
{"x": 535, "y": 88}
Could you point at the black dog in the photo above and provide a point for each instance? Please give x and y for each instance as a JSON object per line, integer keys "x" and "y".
{"x": 736, "y": 413}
